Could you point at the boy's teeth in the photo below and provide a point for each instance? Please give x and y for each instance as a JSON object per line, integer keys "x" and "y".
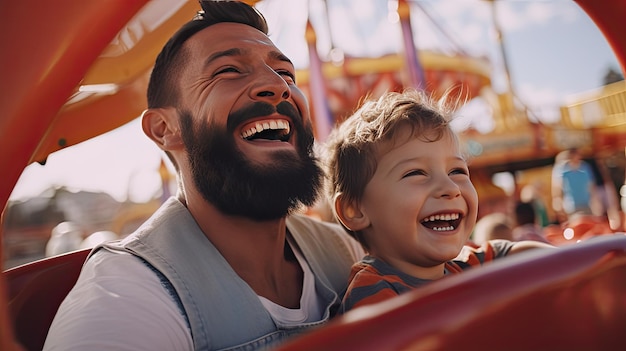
{"x": 442, "y": 217}
{"x": 442, "y": 229}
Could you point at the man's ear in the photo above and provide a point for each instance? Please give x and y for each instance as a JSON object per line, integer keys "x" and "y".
{"x": 162, "y": 126}
{"x": 350, "y": 214}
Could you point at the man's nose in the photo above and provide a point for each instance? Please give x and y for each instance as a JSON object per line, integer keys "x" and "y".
{"x": 270, "y": 86}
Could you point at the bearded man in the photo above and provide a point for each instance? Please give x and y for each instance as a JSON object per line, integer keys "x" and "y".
{"x": 226, "y": 263}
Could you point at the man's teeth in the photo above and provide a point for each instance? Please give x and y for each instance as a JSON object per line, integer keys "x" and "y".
{"x": 266, "y": 125}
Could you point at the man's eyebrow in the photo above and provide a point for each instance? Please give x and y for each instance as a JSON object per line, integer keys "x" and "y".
{"x": 275, "y": 55}
{"x": 219, "y": 54}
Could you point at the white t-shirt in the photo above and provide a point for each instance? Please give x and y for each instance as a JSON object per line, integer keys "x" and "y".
{"x": 107, "y": 288}
{"x": 309, "y": 310}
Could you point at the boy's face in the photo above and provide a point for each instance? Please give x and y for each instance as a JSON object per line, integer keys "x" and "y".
{"x": 420, "y": 204}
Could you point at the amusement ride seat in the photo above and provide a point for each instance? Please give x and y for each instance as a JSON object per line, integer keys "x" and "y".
{"x": 35, "y": 291}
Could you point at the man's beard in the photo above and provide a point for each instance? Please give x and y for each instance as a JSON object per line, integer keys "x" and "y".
{"x": 238, "y": 187}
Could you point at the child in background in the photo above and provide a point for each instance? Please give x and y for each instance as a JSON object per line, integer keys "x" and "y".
{"x": 401, "y": 185}
{"x": 495, "y": 225}
{"x": 526, "y": 227}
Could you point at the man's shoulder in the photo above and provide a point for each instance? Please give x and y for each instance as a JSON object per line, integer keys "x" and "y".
{"x": 117, "y": 294}
{"x": 111, "y": 262}
{"x": 300, "y": 221}
{"x": 328, "y": 237}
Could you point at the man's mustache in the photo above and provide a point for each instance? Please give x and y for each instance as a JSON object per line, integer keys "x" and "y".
{"x": 260, "y": 108}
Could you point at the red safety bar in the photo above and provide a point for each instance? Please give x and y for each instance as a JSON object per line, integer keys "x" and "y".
{"x": 569, "y": 298}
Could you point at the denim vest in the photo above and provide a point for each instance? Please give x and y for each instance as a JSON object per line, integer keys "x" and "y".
{"x": 223, "y": 312}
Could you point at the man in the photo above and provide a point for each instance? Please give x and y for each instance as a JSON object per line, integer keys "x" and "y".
{"x": 225, "y": 264}
{"x": 573, "y": 186}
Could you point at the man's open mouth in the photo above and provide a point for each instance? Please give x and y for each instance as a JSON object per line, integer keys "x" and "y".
{"x": 442, "y": 221}
{"x": 269, "y": 129}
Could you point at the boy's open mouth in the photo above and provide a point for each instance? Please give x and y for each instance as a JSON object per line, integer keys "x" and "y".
{"x": 441, "y": 222}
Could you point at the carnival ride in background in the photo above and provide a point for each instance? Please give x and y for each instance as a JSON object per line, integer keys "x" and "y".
{"x": 89, "y": 76}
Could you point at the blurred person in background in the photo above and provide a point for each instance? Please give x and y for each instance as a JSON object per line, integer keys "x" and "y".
{"x": 573, "y": 187}
{"x": 492, "y": 226}
{"x": 98, "y": 238}
{"x": 526, "y": 226}
{"x": 531, "y": 193}
{"x": 65, "y": 237}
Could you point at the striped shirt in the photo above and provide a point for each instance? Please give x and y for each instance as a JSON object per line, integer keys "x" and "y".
{"x": 373, "y": 280}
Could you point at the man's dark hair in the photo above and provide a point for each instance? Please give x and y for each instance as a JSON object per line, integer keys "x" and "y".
{"x": 162, "y": 90}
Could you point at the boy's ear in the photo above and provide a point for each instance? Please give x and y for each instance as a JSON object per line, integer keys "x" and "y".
{"x": 349, "y": 213}
{"x": 161, "y": 125}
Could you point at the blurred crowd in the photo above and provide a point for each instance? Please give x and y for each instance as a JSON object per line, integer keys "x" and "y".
{"x": 579, "y": 202}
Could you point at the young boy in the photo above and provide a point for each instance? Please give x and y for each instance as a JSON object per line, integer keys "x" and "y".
{"x": 400, "y": 184}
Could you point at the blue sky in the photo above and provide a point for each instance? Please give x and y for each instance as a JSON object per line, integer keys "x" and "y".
{"x": 554, "y": 52}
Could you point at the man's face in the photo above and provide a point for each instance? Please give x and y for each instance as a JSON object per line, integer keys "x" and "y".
{"x": 246, "y": 126}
